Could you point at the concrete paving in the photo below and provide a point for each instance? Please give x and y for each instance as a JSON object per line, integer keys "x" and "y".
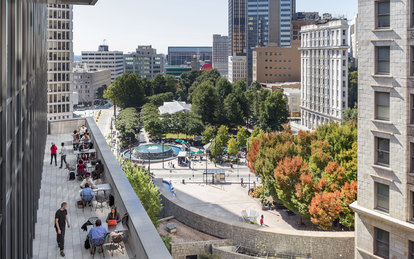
{"x": 55, "y": 189}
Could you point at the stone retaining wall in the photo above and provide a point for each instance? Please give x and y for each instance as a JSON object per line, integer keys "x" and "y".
{"x": 316, "y": 244}
{"x": 181, "y": 250}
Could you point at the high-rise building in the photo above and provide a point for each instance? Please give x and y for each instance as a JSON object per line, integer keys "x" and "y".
{"x": 145, "y": 62}
{"x": 221, "y": 54}
{"x": 178, "y": 56}
{"x": 237, "y": 68}
{"x": 324, "y": 54}
{"x": 268, "y": 21}
{"x": 384, "y": 219}
{"x": 105, "y": 59}
{"x": 60, "y": 58}
{"x": 272, "y": 64}
{"x": 237, "y": 27}
{"x": 354, "y": 41}
{"x": 86, "y": 82}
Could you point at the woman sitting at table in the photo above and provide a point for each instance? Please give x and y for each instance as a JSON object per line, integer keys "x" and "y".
{"x": 84, "y": 158}
{"x": 113, "y": 215}
{"x": 81, "y": 168}
{"x": 85, "y": 137}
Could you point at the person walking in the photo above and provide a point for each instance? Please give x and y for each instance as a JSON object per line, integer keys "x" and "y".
{"x": 261, "y": 220}
{"x": 63, "y": 156}
{"x": 53, "y": 151}
{"x": 61, "y": 219}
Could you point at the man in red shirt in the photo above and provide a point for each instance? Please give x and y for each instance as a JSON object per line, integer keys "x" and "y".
{"x": 53, "y": 151}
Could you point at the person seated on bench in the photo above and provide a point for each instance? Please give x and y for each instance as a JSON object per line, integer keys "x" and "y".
{"x": 82, "y": 130}
{"x": 113, "y": 215}
{"x": 99, "y": 168}
{"x": 87, "y": 194}
{"x": 87, "y": 180}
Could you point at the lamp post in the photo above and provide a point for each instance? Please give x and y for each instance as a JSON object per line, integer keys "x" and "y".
{"x": 162, "y": 141}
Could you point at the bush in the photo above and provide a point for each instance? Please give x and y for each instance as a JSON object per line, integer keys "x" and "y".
{"x": 258, "y": 192}
{"x": 167, "y": 241}
{"x": 209, "y": 256}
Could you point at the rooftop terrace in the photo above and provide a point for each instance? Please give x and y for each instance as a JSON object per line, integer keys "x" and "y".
{"x": 142, "y": 239}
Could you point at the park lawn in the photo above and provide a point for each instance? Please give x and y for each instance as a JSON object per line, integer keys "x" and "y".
{"x": 179, "y": 136}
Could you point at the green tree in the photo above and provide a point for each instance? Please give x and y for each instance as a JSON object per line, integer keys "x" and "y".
{"x": 126, "y": 91}
{"x": 224, "y": 88}
{"x": 145, "y": 189}
{"x": 100, "y": 92}
{"x": 128, "y": 125}
{"x": 233, "y": 113}
{"x": 209, "y": 133}
{"x": 232, "y": 147}
{"x": 275, "y": 112}
{"x": 159, "y": 99}
{"x": 146, "y": 83}
{"x": 350, "y": 114}
{"x": 242, "y": 137}
{"x": 186, "y": 81}
{"x": 220, "y": 141}
{"x": 158, "y": 84}
{"x": 352, "y": 88}
{"x": 205, "y": 101}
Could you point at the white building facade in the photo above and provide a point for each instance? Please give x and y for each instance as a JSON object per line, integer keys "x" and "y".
{"x": 105, "y": 59}
{"x": 86, "y": 82}
{"x": 60, "y": 56}
{"x": 324, "y": 72}
{"x": 385, "y": 207}
{"x": 145, "y": 62}
{"x": 237, "y": 68}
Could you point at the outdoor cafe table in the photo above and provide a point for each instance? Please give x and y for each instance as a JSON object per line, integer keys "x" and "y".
{"x": 118, "y": 228}
{"x": 81, "y": 141}
{"x": 102, "y": 187}
{"x": 87, "y": 151}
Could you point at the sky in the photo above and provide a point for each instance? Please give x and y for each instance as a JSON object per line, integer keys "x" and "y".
{"x": 125, "y": 24}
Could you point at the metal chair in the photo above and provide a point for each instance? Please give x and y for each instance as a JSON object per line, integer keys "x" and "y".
{"x": 98, "y": 243}
{"x": 100, "y": 199}
{"x": 86, "y": 202}
{"x": 116, "y": 239}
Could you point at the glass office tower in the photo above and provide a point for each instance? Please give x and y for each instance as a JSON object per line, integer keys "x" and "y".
{"x": 237, "y": 26}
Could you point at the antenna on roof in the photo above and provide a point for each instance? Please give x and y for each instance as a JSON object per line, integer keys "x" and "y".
{"x": 104, "y": 42}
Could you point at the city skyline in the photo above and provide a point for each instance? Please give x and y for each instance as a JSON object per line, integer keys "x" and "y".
{"x": 162, "y": 32}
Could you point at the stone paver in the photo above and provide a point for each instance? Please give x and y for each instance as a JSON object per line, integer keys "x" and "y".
{"x": 56, "y": 188}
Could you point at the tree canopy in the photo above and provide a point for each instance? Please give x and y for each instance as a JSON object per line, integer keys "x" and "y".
{"x": 126, "y": 91}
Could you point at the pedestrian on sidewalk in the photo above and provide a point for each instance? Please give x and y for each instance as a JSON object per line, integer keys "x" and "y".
{"x": 63, "y": 156}
{"x": 261, "y": 221}
{"x": 53, "y": 151}
{"x": 61, "y": 219}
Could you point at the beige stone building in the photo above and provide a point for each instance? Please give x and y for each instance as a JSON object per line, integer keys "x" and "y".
{"x": 86, "y": 82}
{"x": 276, "y": 64}
{"x": 385, "y": 207}
{"x": 237, "y": 68}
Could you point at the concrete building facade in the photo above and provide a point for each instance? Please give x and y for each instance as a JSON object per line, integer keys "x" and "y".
{"x": 145, "y": 62}
{"x": 105, "y": 59}
{"x": 354, "y": 41}
{"x": 273, "y": 64}
{"x": 221, "y": 54}
{"x": 60, "y": 56}
{"x": 86, "y": 82}
{"x": 324, "y": 71}
{"x": 384, "y": 210}
{"x": 237, "y": 68}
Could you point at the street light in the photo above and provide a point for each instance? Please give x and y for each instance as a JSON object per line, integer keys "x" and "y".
{"x": 162, "y": 141}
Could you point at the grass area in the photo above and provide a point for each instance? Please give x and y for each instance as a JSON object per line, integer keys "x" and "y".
{"x": 179, "y": 136}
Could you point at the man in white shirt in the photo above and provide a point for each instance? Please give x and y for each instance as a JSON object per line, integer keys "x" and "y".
{"x": 63, "y": 156}
{"x": 87, "y": 180}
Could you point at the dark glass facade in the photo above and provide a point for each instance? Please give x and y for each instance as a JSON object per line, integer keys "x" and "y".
{"x": 23, "y": 124}
{"x": 181, "y": 55}
{"x": 237, "y": 26}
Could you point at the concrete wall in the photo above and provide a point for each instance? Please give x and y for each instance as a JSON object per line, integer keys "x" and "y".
{"x": 316, "y": 244}
{"x": 65, "y": 126}
{"x": 181, "y": 250}
{"x": 226, "y": 252}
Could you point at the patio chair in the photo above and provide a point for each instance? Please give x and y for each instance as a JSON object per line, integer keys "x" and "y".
{"x": 100, "y": 199}
{"x": 244, "y": 215}
{"x": 98, "y": 243}
{"x": 116, "y": 239}
{"x": 86, "y": 202}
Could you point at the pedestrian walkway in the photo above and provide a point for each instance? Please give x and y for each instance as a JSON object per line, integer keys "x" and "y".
{"x": 55, "y": 189}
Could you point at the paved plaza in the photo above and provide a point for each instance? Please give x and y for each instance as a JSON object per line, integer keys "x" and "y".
{"x": 228, "y": 201}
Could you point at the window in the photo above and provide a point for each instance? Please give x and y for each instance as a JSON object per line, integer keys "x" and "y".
{"x": 382, "y": 243}
{"x": 412, "y": 208}
{"x": 383, "y": 197}
{"x": 383, "y": 14}
{"x": 383, "y": 151}
{"x": 382, "y": 106}
{"x": 383, "y": 60}
{"x": 412, "y": 109}
{"x": 411, "y": 249}
{"x": 412, "y": 12}
{"x": 412, "y": 60}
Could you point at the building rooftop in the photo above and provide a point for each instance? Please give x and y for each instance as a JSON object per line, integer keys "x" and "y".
{"x": 174, "y": 107}
{"x": 142, "y": 239}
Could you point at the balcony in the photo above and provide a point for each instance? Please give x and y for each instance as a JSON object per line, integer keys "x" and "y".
{"x": 74, "y": 2}
{"x": 142, "y": 239}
